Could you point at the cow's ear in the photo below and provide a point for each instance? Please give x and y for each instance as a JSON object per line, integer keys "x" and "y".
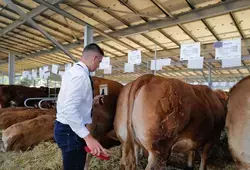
{"x": 99, "y": 100}
{"x": 111, "y": 134}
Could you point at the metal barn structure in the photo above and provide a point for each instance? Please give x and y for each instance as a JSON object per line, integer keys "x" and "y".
{"x": 38, "y": 33}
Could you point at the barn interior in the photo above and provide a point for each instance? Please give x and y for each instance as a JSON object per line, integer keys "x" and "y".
{"x": 40, "y": 40}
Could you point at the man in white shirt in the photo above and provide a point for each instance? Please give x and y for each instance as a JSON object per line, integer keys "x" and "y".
{"x": 74, "y": 107}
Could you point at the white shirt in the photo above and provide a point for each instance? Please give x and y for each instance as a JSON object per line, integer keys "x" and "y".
{"x": 75, "y": 99}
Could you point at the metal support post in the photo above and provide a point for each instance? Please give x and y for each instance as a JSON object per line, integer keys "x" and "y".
{"x": 11, "y": 69}
{"x": 210, "y": 77}
{"x": 88, "y": 35}
{"x": 155, "y": 62}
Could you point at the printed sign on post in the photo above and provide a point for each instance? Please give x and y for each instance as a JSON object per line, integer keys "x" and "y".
{"x": 134, "y": 57}
{"x": 190, "y": 51}
{"x": 228, "y": 49}
{"x": 103, "y": 89}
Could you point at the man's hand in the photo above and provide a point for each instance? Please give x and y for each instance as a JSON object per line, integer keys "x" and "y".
{"x": 95, "y": 146}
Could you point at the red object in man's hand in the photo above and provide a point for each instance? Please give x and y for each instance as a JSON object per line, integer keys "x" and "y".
{"x": 102, "y": 157}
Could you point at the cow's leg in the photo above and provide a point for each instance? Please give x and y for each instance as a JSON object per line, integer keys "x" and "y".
{"x": 191, "y": 155}
{"x": 128, "y": 157}
{"x": 152, "y": 161}
{"x": 88, "y": 158}
{"x": 136, "y": 150}
{"x": 204, "y": 155}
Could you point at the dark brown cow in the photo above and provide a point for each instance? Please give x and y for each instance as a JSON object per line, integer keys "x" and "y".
{"x": 9, "y": 118}
{"x": 167, "y": 115}
{"x": 15, "y": 95}
{"x": 114, "y": 87}
{"x": 238, "y": 123}
{"x": 103, "y": 114}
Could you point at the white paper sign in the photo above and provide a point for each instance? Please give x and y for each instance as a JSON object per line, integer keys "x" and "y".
{"x": 231, "y": 84}
{"x": 29, "y": 76}
{"x": 205, "y": 83}
{"x": 103, "y": 89}
{"x": 128, "y": 67}
{"x": 25, "y": 74}
{"x": 134, "y": 57}
{"x": 196, "y": 63}
{"x": 190, "y": 51}
{"x": 34, "y": 74}
{"x": 55, "y": 68}
{"x": 105, "y": 63}
{"x": 223, "y": 84}
{"x": 108, "y": 69}
{"x": 232, "y": 62}
{"x": 45, "y": 69}
{"x": 228, "y": 49}
{"x": 165, "y": 62}
{"x": 46, "y": 75}
{"x": 61, "y": 73}
{"x": 41, "y": 73}
{"x": 158, "y": 65}
{"x": 215, "y": 84}
{"x": 67, "y": 66}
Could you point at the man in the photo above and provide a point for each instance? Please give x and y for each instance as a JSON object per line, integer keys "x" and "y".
{"x": 74, "y": 107}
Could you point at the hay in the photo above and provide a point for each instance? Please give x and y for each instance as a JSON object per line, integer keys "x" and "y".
{"x": 47, "y": 156}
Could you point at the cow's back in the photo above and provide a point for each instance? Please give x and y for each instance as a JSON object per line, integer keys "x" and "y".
{"x": 238, "y": 122}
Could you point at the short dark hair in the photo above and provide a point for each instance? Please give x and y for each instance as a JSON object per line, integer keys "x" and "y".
{"x": 93, "y": 47}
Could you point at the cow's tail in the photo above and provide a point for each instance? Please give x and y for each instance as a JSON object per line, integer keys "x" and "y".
{"x": 135, "y": 87}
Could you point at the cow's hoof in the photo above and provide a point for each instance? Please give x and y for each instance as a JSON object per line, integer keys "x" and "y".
{"x": 189, "y": 168}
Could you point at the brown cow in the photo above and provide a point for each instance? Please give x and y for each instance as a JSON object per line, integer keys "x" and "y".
{"x": 167, "y": 115}
{"x": 238, "y": 123}
{"x": 26, "y": 134}
{"x": 9, "y": 118}
{"x": 12, "y": 109}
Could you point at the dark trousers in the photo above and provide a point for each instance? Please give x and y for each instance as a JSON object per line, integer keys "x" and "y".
{"x": 71, "y": 145}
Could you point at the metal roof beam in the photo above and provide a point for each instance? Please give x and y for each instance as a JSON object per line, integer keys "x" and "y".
{"x": 194, "y": 15}
{"x": 30, "y": 15}
{"x": 35, "y": 25}
{"x": 213, "y": 10}
{"x": 81, "y": 22}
